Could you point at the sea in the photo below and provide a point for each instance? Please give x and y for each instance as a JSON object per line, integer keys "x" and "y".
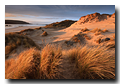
{"x": 9, "y": 26}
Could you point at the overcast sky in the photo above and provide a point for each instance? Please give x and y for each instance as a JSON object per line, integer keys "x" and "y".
{"x": 45, "y": 14}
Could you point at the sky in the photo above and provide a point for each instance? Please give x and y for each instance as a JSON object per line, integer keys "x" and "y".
{"x": 46, "y": 14}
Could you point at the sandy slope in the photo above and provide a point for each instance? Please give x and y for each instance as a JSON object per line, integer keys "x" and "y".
{"x": 56, "y": 35}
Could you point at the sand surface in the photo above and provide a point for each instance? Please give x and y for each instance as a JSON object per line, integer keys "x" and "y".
{"x": 17, "y": 29}
{"x": 60, "y": 35}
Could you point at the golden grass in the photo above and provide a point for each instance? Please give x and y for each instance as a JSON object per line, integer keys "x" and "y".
{"x": 24, "y": 66}
{"x": 99, "y": 30}
{"x": 90, "y": 63}
{"x": 26, "y": 30}
{"x": 97, "y": 33}
{"x": 44, "y": 33}
{"x": 105, "y": 30}
{"x": 86, "y": 37}
{"x": 98, "y": 40}
{"x": 33, "y": 64}
{"x": 76, "y": 39}
{"x": 96, "y": 30}
{"x": 93, "y": 63}
{"x": 38, "y": 28}
{"x": 84, "y": 30}
{"x": 51, "y": 62}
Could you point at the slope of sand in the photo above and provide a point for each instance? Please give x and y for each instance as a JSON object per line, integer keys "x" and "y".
{"x": 59, "y": 36}
{"x": 56, "y": 35}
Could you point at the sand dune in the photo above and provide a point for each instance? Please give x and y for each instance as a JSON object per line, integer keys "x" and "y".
{"x": 104, "y": 21}
{"x": 59, "y": 35}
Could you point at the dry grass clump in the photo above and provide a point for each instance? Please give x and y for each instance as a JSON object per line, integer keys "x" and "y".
{"x": 97, "y": 33}
{"x": 98, "y": 40}
{"x": 51, "y": 67}
{"x": 38, "y": 28}
{"x": 13, "y": 40}
{"x": 9, "y": 48}
{"x": 26, "y": 30}
{"x": 96, "y": 30}
{"x": 90, "y": 63}
{"x": 84, "y": 30}
{"x": 86, "y": 37}
{"x": 44, "y": 33}
{"x": 105, "y": 30}
{"x": 99, "y": 30}
{"x": 25, "y": 66}
{"x": 93, "y": 63}
{"x": 78, "y": 38}
{"x": 33, "y": 64}
{"x": 75, "y": 39}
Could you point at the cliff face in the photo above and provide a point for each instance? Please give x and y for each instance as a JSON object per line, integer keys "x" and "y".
{"x": 62, "y": 24}
{"x": 15, "y": 22}
{"x": 95, "y": 17}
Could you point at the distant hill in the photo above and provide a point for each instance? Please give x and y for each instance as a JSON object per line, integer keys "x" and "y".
{"x": 62, "y": 24}
{"x": 15, "y": 22}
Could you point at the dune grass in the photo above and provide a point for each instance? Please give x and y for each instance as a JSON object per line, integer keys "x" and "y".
{"x": 26, "y": 30}
{"x": 13, "y": 40}
{"x": 90, "y": 63}
{"x": 25, "y": 66}
{"x": 99, "y": 31}
{"x": 38, "y": 28}
{"x": 86, "y": 37}
{"x": 35, "y": 64}
{"x": 93, "y": 63}
{"x": 84, "y": 30}
{"x": 76, "y": 39}
{"x": 51, "y": 60}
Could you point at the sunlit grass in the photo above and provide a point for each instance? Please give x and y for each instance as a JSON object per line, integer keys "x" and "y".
{"x": 93, "y": 63}
{"x": 90, "y": 63}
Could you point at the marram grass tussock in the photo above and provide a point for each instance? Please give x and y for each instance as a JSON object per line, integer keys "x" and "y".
{"x": 90, "y": 63}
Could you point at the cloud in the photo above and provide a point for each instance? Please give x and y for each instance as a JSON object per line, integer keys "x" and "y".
{"x": 9, "y": 15}
{"x": 58, "y": 10}
{"x": 55, "y": 12}
{"x": 13, "y": 15}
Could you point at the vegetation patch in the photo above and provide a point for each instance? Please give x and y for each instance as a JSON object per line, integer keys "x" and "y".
{"x": 93, "y": 63}
{"x": 13, "y": 40}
